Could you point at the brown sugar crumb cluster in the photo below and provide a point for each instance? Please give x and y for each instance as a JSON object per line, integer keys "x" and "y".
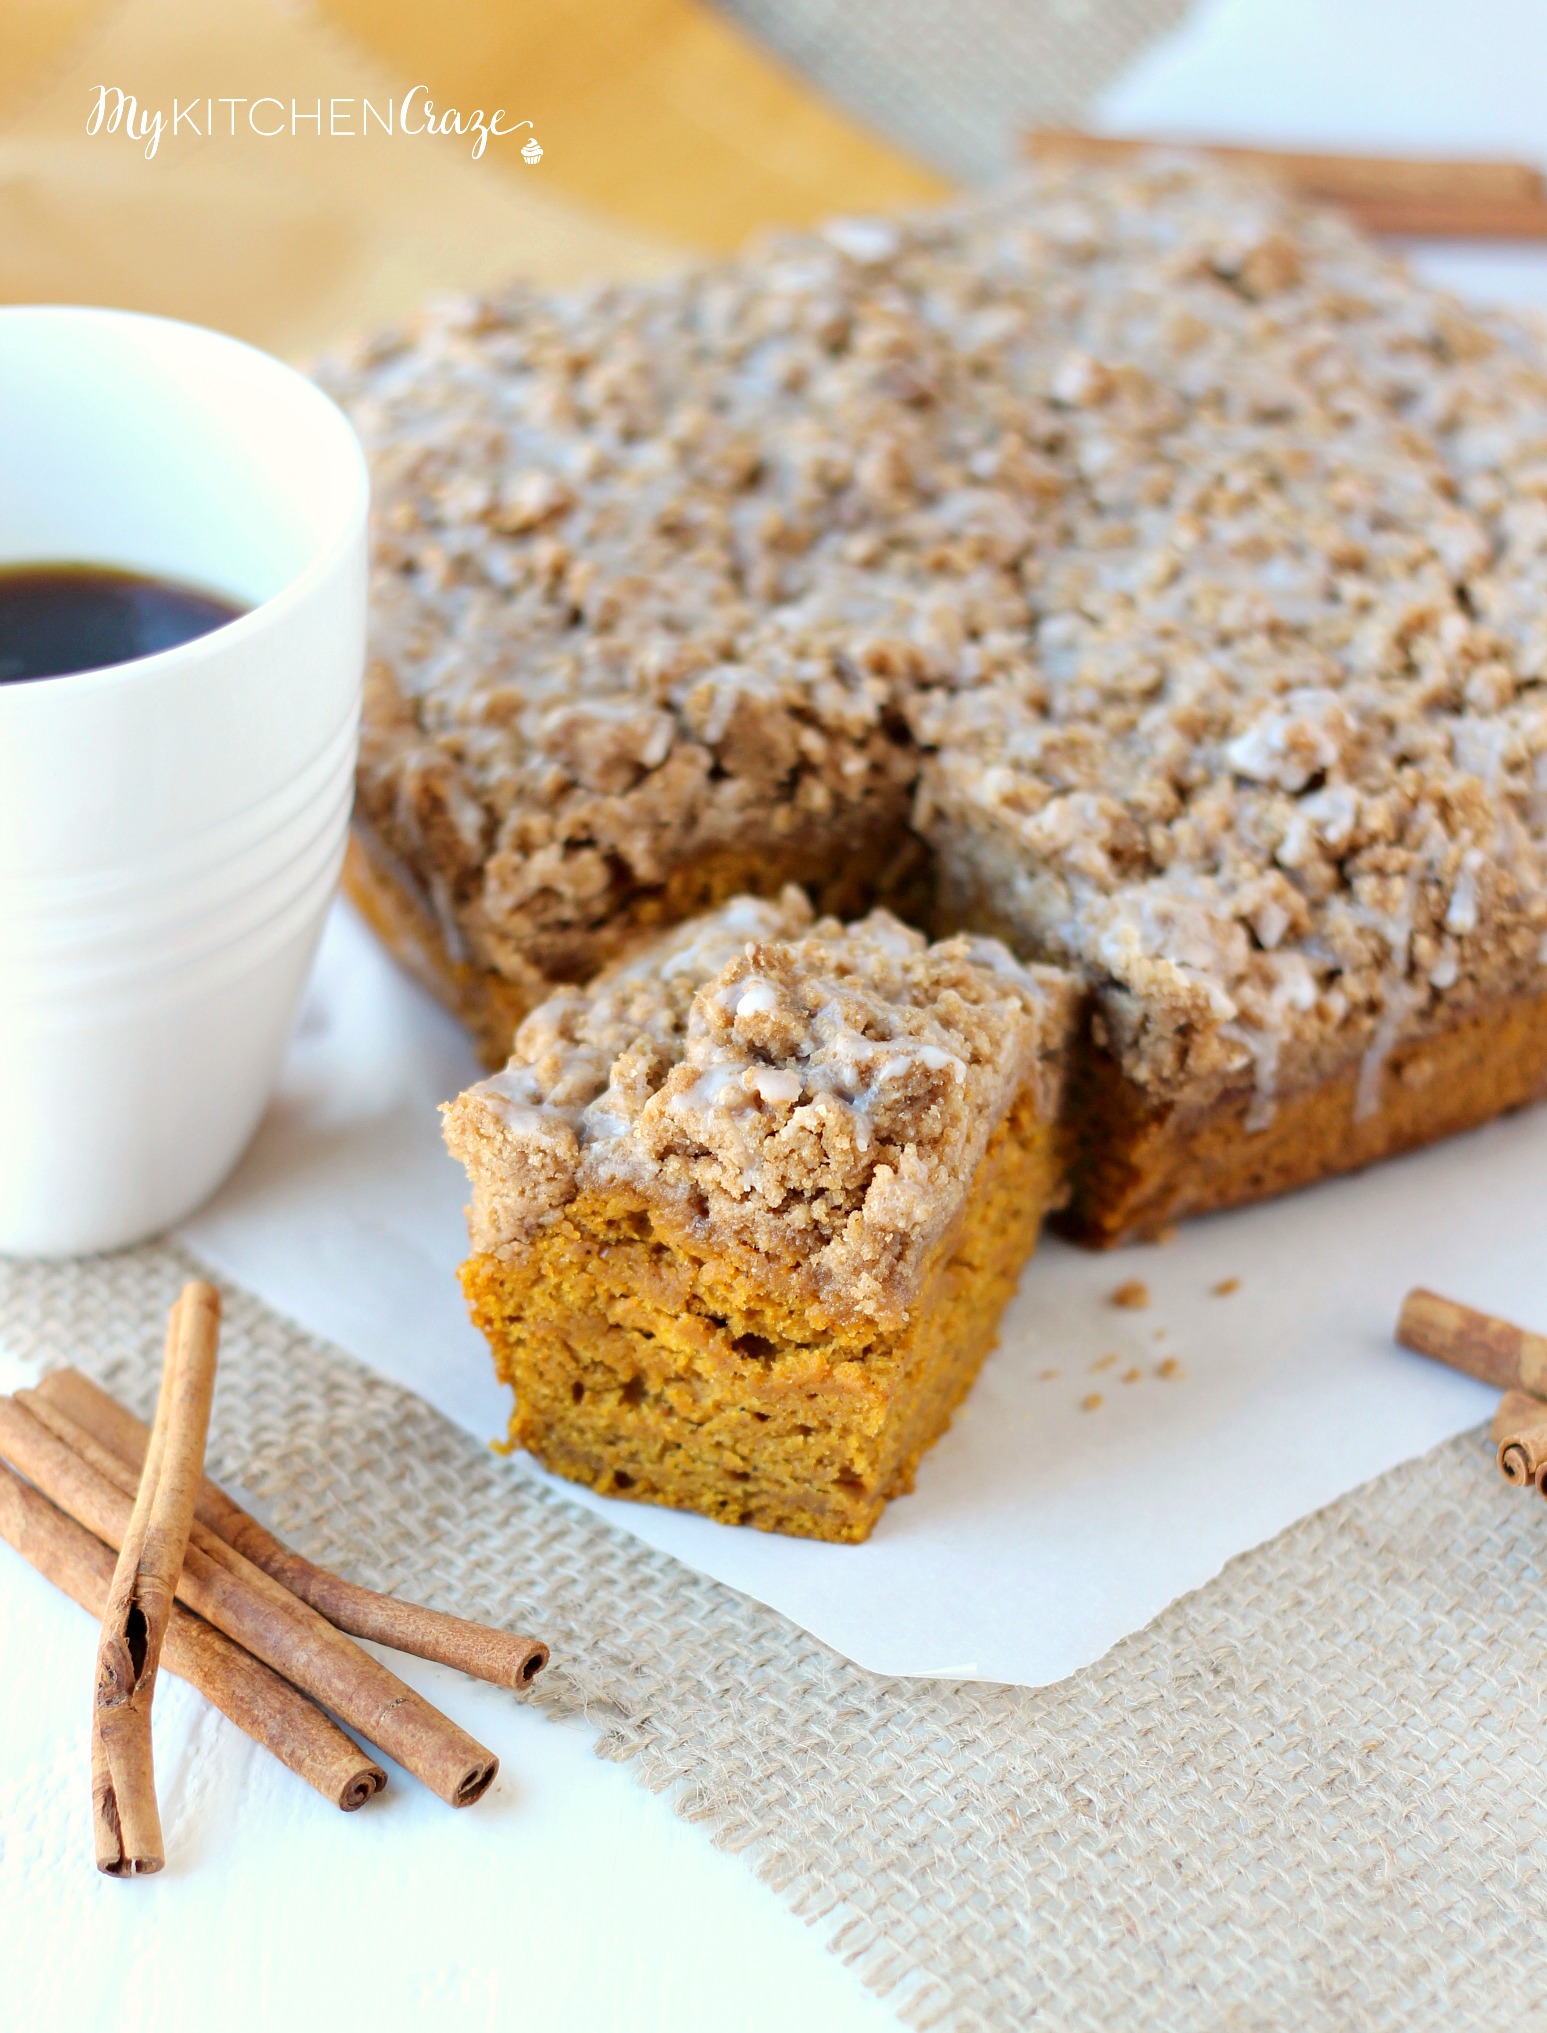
{"x": 810, "y": 1098}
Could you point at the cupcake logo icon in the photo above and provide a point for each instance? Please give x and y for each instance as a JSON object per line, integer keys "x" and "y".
{"x": 532, "y": 151}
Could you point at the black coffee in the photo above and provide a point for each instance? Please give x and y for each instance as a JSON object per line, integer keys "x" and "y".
{"x": 59, "y": 618}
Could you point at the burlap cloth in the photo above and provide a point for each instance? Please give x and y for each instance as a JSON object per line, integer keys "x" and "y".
{"x": 1306, "y": 1796}
{"x": 960, "y": 84}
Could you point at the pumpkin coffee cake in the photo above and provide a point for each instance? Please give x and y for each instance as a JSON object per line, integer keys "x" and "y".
{"x": 1180, "y": 557}
{"x": 746, "y": 1211}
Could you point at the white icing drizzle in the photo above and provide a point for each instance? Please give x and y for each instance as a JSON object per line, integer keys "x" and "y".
{"x": 1401, "y": 999}
{"x": 1461, "y": 916}
{"x": 831, "y": 1091}
{"x": 1263, "y": 1046}
{"x": 1294, "y": 989}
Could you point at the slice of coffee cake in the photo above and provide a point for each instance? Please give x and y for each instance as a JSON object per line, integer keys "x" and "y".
{"x": 746, "y": 1210}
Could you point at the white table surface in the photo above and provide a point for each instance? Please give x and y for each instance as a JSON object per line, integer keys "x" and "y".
{"x": 589, "y": 1904}
{"x": 568, "y": 1898}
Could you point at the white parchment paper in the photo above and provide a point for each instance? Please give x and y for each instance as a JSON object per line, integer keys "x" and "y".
{"x": 1044, "y": 1527}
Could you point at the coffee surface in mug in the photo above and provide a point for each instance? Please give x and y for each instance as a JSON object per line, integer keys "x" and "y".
{"x": 69, "y": 617}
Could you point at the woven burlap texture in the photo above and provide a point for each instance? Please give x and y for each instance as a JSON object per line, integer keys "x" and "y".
{"x": 960, "y": 85}
{"x": 1304, "y": 1797}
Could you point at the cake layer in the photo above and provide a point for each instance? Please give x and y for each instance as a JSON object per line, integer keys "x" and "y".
{"x": 1136, "y": 1168}
{"x": 390, "y": 901}
{"x": 647, "y": 1367}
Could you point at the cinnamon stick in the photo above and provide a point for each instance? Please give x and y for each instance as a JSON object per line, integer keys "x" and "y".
{"x": 126, "y": 1819}
{"x": 1452, "y": 218}
{"x": 1493, "y": 1350}
{"x": 241, "y": 1600}
{"x": 501, "y": 1657}
{"x": 1520, "y": 1436}
{"x": 1429, "y": 197}
{"x": 258, "y": 1701}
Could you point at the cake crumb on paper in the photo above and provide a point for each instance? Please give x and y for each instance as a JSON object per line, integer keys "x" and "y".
{"x": 1132, "y": 1376}
{"x": 1134, "y": 1295}
{"x": 1047, "y": 1376}
{"x": 1169, "y": 1368}
{"x": 1105, "y": 1361}
{"x": 1091, "y": 1402}
{"x": 1225, "y": 1287}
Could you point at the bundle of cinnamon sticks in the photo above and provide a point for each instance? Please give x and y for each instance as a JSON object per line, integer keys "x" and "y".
{"x": 1496, "y": 1352}
{"x": 1428, "y": 198}
{"x": 204, "y": 1588}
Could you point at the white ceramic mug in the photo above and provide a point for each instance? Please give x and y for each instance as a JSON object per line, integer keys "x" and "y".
{"x": 171, "y": 828}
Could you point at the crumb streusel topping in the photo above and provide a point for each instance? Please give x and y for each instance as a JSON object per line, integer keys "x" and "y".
{"x": 1273, "y": 774}
{"x": 586, "y": 513}
{"x": 1273, "y": 771}
{"x": 1202, "y": 548}
{"x": 813, "y": 1097}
